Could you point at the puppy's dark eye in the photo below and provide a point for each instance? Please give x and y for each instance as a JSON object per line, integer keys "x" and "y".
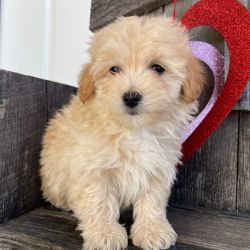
{"x": 114, "y": 70}
{"x": 157, "y": 68}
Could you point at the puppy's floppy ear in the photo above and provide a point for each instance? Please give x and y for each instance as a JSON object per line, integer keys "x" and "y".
{"x": 193, "y": 85}
{"x": 86, "y": 89}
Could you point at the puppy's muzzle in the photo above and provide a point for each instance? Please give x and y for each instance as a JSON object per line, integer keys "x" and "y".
{"x": 132, "y": 99}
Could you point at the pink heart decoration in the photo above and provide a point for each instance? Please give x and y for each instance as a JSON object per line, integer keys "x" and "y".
{"x": 215, "y": 61}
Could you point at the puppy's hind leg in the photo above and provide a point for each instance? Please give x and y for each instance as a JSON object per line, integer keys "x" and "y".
{"x": 151, "y": 229}
{"x": 97, "y": 209}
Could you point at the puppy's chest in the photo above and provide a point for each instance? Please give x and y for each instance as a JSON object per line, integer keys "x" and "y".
{"x": 142, "y": 153}
{"x": 140, "y": 150}
{"x": 139, "y": 158}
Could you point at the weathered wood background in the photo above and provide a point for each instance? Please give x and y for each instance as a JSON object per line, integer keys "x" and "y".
{"x": 47, "y": 229}
{"x": 26, "y": 103}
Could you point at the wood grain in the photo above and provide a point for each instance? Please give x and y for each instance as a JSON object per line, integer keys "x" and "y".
{"x": 244, "y": 103}
{"x": 25, "y": 105}
{"x": 23, "y": 116}
{"x": 41, "y": 229}
{"x": 243, "y": 184}
{"x": 197, "y": 229}
{"x": 210, "y": 229}
{"x": 209, "y": 178}
{"x": 57, "y": 96}
{"x": 105, "y": 11}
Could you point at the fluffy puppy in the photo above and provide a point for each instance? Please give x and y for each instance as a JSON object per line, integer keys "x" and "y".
{"x": 119, "y": 140}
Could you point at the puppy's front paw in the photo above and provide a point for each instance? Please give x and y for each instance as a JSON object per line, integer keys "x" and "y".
{"x": 153, "y": 235}
{"x": 105, "y": 237}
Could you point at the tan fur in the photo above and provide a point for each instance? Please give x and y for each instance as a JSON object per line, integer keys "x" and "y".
{"x": 86, "y": 84}
{"x": 193, "y": 86}
{"x": 97, "y": 158}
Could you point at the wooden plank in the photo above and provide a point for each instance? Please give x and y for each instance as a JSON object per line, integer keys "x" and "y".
{"x": 197, "y": 229}
{"x": 243, "y": 190}
{"x": 58, "y": 95}
{"x": 41, "y": 229}
{"x": 105, "y": 11}
{"x": 23, "y": 114}
{"x": 210, "y": 229}
{"x": 25, "y": 105}
{"x": 246, "y": 3}
{"x": 244, "y": 103}
{"x": 209, "y": 178}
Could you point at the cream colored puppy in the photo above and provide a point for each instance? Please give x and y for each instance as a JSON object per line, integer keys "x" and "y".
{"x": 119, "y": 140}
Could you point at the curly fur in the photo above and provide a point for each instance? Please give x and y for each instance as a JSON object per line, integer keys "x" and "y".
{"x": 98, "y": 158}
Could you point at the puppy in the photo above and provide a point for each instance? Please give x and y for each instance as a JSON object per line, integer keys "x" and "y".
{"x": 118, "y": 142}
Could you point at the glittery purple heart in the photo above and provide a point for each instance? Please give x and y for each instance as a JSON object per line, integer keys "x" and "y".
{"x": 215, "y": 61}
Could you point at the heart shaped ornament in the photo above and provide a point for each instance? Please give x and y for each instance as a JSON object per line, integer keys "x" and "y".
{"x": 215, "y": 61}
{"x": 232, "y": 20}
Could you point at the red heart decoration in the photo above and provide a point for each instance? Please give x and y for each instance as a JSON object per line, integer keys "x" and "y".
{"x": 232, "y": 20}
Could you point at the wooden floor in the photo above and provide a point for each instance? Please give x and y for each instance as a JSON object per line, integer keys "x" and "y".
{"x": 46, "y": 228}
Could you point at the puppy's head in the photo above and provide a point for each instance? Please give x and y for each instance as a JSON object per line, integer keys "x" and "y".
{"x": 140, "y": 67}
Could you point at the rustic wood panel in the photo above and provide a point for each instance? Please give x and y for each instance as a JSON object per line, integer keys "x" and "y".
{"x": 105, "y": 11}
{"x": 23, "y": 115}
{"x": 243, "y": 187}
{"x": 210, "y": 229}
{"x": 244, "y": 103}
{"x": 197, "y": 229}
{"x": 25, "y": 105}
{"x": 209, "y": 178}
{"x": 58, "y": 95}
{"x": 41, "y": 229}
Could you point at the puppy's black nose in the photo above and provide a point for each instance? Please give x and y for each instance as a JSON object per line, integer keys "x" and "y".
{"x": 132, "y": 99}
